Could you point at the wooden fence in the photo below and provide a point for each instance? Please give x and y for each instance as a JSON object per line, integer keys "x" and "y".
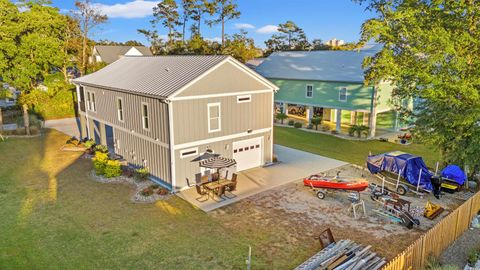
{"x": 438, "y": 238}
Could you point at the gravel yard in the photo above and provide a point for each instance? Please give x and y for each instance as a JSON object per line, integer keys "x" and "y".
{"x": 295, "y": 207}
{"x": 457, "y": 253}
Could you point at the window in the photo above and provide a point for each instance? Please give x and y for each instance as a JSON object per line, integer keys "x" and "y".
{"x": 244, "y": 99}
{"x": 120, "y": 109}
{"x": 189, "y": 152}
{"x": 145, "y": 116}
{"x": 91, "y": 101}
{"x": 342, "y": 94}
{"x": 309, "y": 91}
{"x": 214, "y": 121}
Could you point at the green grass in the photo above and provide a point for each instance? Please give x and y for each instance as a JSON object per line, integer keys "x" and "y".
{"x": 350, "y": 151}
{"x": 53, "y": 216}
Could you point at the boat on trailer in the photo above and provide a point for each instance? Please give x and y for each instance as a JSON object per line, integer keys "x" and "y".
{"x": 337, "y": 183}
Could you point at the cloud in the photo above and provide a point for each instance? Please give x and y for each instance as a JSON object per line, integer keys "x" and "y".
{"x": 244, "y": 26}
{"x": 215, "y": 39}
{"x": 267, "y": 29}
{"x": 129, "y": 10}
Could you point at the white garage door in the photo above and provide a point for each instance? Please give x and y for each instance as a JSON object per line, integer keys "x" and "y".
{"x": 248, "y": 153}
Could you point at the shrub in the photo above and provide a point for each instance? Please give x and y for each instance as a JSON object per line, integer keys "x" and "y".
{"x": 142, "y": 174}
{"x": 147, "y": 192}
{"x": 275, "y": 158}
{"x": 309, "y": 126}
{"x": 362, "y": 130}
{"x": 163, "y": 191}
{"x": 316, "y": 121}
{"x": 352, "y": 130}
{"x": 128, "y": 172}
{"x": 89, "y": 144}
{"x": 325, "y": 128}
{"x": 101, "y": 148}
{"x": 291, "y": 122}
{"x": 154, "y": 186}
{"x": 112, "y": 169}
{"x": 473, "y": 256}
{"x": 298, "y": 125}
{"x": 100, "y": 162}
{"x": 281, "y": 117}
{"x": 34, "y": 121}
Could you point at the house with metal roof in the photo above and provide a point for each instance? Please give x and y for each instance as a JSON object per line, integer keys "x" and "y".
{"x": 161, "y": 112}
{"x": 111, "y": 53}
{"x": 329, "y": 84}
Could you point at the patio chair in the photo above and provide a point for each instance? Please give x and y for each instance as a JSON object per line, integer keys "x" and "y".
{"x": 202, "y": 194}
{"x": 220, "y": 192}
{"x": 198, "y": 179}
{"x": 208, "y": 173}
{"x": 226, "y": 175}
{"x": 188, "y": 183}
{"x": 215, "y": 176}
{"x": 233, "y": 186}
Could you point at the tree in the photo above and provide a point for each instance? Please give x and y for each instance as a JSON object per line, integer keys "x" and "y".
{"x": 292, "y": 37}
{"x": 72, "y": 46}
{"x": 157, "y": 44}
{"x": 431, "y": 53}
{"x": 166, "y": 12}
{"x": 318, "y": 45}
{"x": 281, "y": 117}
{"x": 30, "y": 45}
{"x": 198, "y": 9}
{"x": 240, "y": 47}
{"x": 316, "y": 121}
{"x": 187, "y": 7}
{"x": 225, "y": 10}
{"x": 88, "y": 17}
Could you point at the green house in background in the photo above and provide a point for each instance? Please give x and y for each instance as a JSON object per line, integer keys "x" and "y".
{"x": 330, "y": 84}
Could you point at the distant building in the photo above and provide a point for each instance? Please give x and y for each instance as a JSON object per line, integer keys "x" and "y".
{"x": 335, "y": 42}
{"x": 254, "y": 63}
{"x": 110, "y": 54}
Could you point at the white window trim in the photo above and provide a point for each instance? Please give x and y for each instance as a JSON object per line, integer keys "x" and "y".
{"x": 306, "y": 91}
{"x": 122, "y": 119}
{"x": 143, "y": 117}
{"x": 87, "y": 100}
{"x": 91, "y": 101}
{"x": 244, "y": 97}
{"x": 209, "y": 105}
{"x": 182, "y": 152}
{"x": 340, "y": 94}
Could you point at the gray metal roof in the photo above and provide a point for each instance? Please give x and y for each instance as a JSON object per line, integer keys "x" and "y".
{"x": 340, "y": 66}
{"x": 159, "y": 76}
{"x": 111, "y": 53}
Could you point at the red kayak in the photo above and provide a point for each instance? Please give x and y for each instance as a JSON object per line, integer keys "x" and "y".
{"x": 350, "y": 184}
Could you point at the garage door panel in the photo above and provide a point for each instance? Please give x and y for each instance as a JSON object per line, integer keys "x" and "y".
{"x": 248, "y": 153}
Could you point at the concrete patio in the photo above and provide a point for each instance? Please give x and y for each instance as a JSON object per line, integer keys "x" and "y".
{"x": 293, "y": 166}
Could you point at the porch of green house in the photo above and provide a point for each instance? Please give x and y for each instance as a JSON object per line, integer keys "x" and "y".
{"x": 340, "y": 120}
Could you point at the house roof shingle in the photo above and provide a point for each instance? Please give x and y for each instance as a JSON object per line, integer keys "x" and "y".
{"x": 158, "y": 76}
{"x": 111, "y": 53}
{"x": 339, "y": 66}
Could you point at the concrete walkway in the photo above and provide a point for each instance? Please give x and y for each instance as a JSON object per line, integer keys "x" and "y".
{"x": 69, "y": 126}
{"x": 294, "y": 165}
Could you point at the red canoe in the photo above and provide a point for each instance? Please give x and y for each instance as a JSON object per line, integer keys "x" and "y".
{"x": 351, "y": 184}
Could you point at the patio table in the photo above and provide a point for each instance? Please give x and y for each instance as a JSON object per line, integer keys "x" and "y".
{"x": 217, "y": 184}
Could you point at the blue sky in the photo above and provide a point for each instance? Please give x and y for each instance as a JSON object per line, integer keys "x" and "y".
{"x": 324, "y": 19}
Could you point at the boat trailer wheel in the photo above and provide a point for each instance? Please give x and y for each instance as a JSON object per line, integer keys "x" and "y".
{"x": 321, "y": 194}
{"x": 402, "y": 190}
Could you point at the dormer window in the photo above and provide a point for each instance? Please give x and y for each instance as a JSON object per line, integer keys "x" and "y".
{"x": 309, "y": 91}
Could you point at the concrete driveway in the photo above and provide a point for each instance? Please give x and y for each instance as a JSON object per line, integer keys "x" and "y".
{"x": 69, "y": 126}
{"x": 293, "y": 166}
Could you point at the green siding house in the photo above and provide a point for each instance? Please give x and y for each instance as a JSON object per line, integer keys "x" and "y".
{"x": 329, "y": 84}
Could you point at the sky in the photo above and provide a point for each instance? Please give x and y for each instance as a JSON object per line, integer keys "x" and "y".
{"x": 324, "y": 19}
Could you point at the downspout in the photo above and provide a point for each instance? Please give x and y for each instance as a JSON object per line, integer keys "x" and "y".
{"x": 171, "y": 143}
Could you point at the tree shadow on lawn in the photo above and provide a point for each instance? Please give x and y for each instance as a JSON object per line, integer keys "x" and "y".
{"x": 55, "y": 216}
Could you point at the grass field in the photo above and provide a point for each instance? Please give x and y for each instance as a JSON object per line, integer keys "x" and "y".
{"x": 53, "y": 216}
{"x": 347, "y": 150}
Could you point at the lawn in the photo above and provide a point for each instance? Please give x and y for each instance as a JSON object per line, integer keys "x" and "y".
{"x": 54, "y": 216}
{"x": 347, "y": 150}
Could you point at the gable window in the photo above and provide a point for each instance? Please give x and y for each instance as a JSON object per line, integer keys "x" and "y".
{"x": 189, "y": 152}
{"x": 214, "y": 121}
{"x": 145, "y": 120}
{"x": 342, "y": 94}
{"x": 120, "y": 109}
{"x": 309, "y": 91}
{"x": 244, "y": 99}
{"x": 91, "y": 101}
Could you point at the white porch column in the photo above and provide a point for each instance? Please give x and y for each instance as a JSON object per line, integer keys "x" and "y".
{"x": 333, "y": 115}
{"x": 338, "y": 120}
{"x": 309, "y": 113}
{"x": 372, "y": 124}
{"x": 285, "y": 108}
{"x": 352, "y": 117}
{"x": 365, "y": 118}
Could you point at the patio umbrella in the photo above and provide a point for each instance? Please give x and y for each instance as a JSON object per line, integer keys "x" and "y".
{"x": 207, "y": 155}
{"x": 217, "y": 162}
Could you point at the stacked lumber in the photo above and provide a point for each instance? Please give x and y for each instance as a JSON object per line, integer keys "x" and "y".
{"x": 344, "y": 255}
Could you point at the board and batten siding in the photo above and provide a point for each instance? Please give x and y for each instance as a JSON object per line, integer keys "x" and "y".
{"x": 190, "y": 117}
{"x": 106, "y": 112}
{"x": 185, "y": 168}
{"x": 140, "y": 152}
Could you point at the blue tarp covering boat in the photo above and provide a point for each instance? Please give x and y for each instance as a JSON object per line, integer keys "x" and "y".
{"x": 407, "y": 165}
{"x": 453, "y": 172}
